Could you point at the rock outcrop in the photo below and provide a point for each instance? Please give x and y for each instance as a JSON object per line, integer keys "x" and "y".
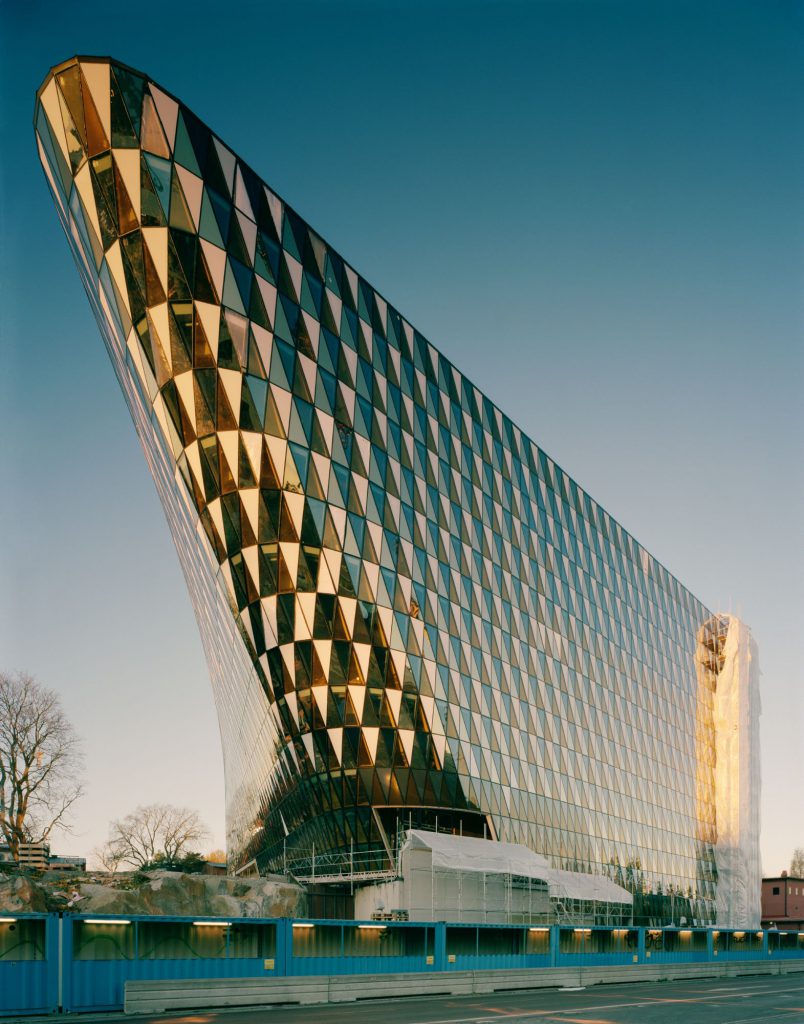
{"x": 21, "y": 895}
{"x": 166, "y": 893}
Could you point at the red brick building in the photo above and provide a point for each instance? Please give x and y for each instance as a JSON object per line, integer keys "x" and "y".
{"x": 783, "y": 902}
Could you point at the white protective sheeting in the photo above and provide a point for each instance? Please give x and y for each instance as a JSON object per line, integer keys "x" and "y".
{"x": 737, "y": 781}
{"x": 463, "y": 853}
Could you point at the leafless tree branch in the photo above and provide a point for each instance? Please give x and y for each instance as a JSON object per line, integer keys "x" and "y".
{"x": 41, "y": 762}
{"x": 155, "y": 832}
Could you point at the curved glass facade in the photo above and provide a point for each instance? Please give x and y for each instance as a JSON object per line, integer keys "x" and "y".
{"x": 408, "y": 609}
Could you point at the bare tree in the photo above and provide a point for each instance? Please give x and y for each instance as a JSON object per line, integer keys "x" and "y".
{"x": 797, "y": 862}
{"x": 158, "y": 832}
{"x": 107, "y": 858}
{"x": 41, "y": 762}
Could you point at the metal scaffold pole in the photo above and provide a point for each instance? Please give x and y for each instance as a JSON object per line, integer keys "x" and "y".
{"x": 432, "y": 889}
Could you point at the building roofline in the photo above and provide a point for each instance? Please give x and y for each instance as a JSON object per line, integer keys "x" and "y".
{"x": 88, "y": 58}
{"x": 640, "y": 548}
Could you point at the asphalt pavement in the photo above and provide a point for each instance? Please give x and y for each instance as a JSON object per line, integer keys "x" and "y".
{"x": 772, "y": 999}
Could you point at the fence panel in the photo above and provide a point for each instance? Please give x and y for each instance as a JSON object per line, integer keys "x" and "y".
{"x": 676, "y": 945}
{"x": 102, "y": 954}
{"x": 597, "y": 946}
{"x": 738, "y": 945}
{"x": 348, "y": 947}
{"x": 99, "y": 955}
{"x": 496, "y": 947}
{"x": 29, "y": 967}
{"x": 786, "y": 945}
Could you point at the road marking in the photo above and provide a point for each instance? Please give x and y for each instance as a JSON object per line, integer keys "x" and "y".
{"x": 189, "y": 1020}
{"x": 579, "y": 1020}
{"x": 644, "y": 1003}
{"x": 746, "y": 993}
{"x": 759, "y": 1020}
{"x": 560, "y": 1016}
{"x": 554, "y": 1011}
{"x": 490, "y": 1014}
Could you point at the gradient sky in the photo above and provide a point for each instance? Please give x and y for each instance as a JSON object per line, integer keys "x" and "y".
{"x": 593, "y": 208}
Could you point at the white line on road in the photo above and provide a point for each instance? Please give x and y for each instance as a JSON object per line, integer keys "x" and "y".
{"x": 758, "y": 1020}
{"x": 709, "y": 997}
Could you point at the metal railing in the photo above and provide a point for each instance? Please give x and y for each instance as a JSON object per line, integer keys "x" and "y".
{"x": 339, "y": 866}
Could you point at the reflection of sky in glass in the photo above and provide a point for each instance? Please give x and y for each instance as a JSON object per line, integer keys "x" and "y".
{"x": 618, "y": 187}
{"x": 546, "y": 676}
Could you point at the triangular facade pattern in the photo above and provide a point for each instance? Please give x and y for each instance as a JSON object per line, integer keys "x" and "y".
{"x": 407, "y": 607}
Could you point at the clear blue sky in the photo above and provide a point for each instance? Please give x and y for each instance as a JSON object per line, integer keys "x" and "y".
{"x": 593, "y": 208}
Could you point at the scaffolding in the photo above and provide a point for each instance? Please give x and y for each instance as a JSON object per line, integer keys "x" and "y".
{"x": 339, "y": 867}
{"x": 438, "y": 875}
{"x": 442, "y": 876}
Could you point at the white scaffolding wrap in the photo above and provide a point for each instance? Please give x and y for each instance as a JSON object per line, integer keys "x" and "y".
{"x": 737, "y": 780}
{"x": 444, "y": 877}
{"x": 463, "y": 853}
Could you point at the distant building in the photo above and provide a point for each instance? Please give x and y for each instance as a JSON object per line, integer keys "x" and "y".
{"x": 73, "y": 864}
{"x": 783, "y": 902}
{"x": 37, "y": 857}
{"x": 33, "y": 856}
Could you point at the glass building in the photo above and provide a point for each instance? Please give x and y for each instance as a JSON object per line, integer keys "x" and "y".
{"x": 409, "y": 611}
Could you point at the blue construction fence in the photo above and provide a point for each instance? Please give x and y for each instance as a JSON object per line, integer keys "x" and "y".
{"x": 75, "y": 963}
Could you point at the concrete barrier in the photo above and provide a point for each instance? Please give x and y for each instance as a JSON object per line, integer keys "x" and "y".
{"x": 215, "y": 993}
{"x": 349, "y": 988}
{"x": 486, "y": 982}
